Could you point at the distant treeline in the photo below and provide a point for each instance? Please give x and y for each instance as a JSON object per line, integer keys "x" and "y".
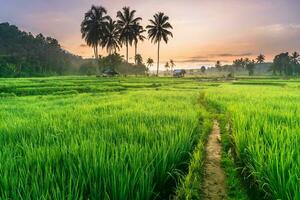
{"x": 23, "y": 55}
{"x": 283, "y": 64}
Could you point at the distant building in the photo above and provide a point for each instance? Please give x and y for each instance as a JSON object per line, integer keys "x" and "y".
{"x": 179, "y": 73}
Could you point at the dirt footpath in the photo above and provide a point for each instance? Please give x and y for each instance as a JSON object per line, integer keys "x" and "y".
{"x": 214, "y": 186}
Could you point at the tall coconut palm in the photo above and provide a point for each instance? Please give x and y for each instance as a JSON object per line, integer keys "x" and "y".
{"x": 159, "y": 30}
{"x": 138, "y": 36}
{"x": 260, "y": 58}
{"x": 93, "y": 27}
{"x": 111, "y": 37}
{"x": 126, "y": 22}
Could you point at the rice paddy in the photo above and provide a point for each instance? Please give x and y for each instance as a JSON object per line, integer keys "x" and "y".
{"x": 134, "y": 138}
{"x": 265, "y": 127}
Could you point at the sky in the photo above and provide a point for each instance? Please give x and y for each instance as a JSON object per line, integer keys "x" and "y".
{"x": 204, "y": 30}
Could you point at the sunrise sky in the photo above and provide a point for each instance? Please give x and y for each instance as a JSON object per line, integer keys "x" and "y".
{"x": 204, "y": 30}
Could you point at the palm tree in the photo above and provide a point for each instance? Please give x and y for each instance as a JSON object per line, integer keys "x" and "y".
{"x": 126, "y": 22}
{"x": 149, "y": 63}
{"x": 295, "y": 62}
{"x": 93, "y": 27}
{"x": 159, "y": 30}
{"x": 167, "y": 66}
{"x": 295, "y": 57}
{"x": 137, "y": 36}
{"x": 111, "y": 37}
{"x": 260, "y": 58}
{"x": 138, "y": 59}
{"x": 172, "y": 64}
{"x": 239, "y": 63}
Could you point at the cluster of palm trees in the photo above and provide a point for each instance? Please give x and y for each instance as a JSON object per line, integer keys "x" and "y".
{"x": 100, "y": 30}
{"x": 170, "y": 64}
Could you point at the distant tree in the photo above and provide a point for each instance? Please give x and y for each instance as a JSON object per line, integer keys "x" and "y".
{"x": 245, "y": 63}
{"x": 167, "y": 66}
{"x": 203, "y": 69}
{"x": 127, "y": 23}
{"x": 111, "y": 37}
{"x": 88, "y": 67}
{"x": 93, "y": 27}
{"x": 149, "y": 63}
{"x": 282, "y": 64}
{"x": 260, "y": 58}
{"x": 172, "y": 64}
{"x": 295, "y": 59}
{"x": 159, "y": 29}
{"x": 273, "y": 68}
{"x": 117, "y": 63}
{"x": 218, "y": 65}
{"x": 138, "y": 59}
{"x": 112, "y": 61}
{"x": 250, "y": 65}
{"x": 138, "y": 36}
{"x": 8, "y": 66}
{"x": 238, "y": 63}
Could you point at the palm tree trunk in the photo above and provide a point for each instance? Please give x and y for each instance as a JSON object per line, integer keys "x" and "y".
{"x": 96, "y": 51}
{"x": 135, "y": 52}
{"x": 96, "y": 57}
{"x": 127, "y": 51}
{"x": 95, "y": 54}
{"x": 157, "y": 58}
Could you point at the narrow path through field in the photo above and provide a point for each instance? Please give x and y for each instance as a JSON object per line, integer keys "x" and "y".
{"x": 214, "y": 186}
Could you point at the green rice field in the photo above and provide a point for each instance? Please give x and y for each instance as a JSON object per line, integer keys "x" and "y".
{"x": 136, "y": 137}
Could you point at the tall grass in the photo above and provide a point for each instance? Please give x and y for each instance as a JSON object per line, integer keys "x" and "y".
{"x": 265, "y": 131}
{"x": 131, "y": 138}
{"x": 109, "y": 145}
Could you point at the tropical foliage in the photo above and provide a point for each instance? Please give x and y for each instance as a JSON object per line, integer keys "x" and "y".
{"x": 286, "y": 64}
{"x": 172, "y": 64}
{"x": 127, "y": 31}
{"x": 23, "y": 54}
{"x": 158, "y": 30}
{"x": 94, "y": 26}
{"x": 129, "y": 27}
{"x": 260, "y": 58}
{"x": 115, "y": 62}
{"x": 245, "y": 63}
{"x": 111, "y": 37}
